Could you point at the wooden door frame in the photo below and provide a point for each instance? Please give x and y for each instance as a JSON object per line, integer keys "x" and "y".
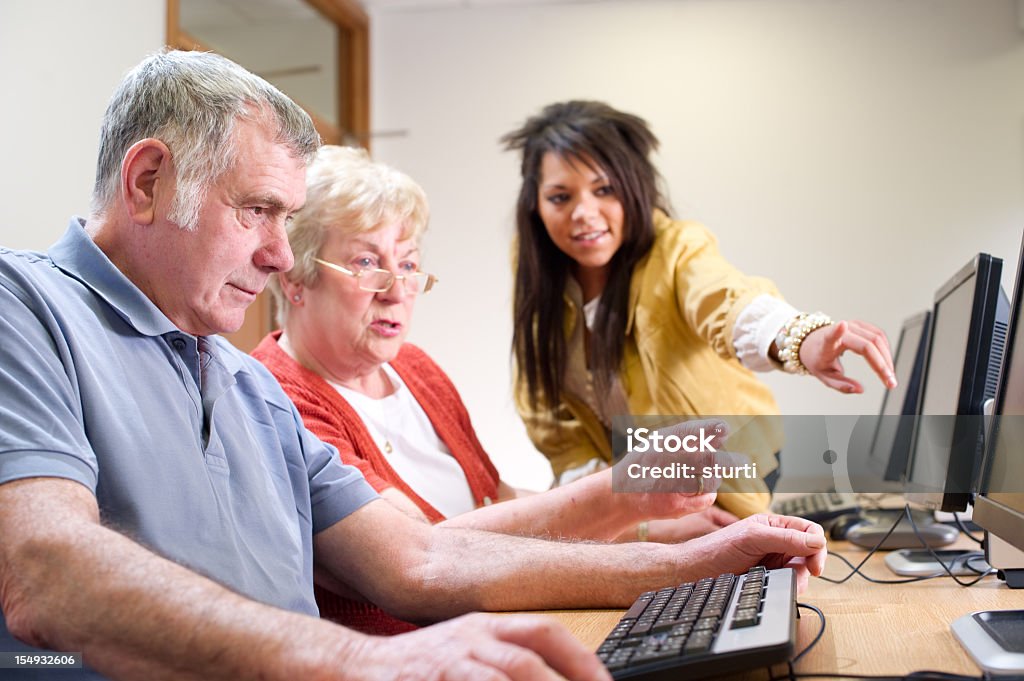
{"x": 353, "y": 88}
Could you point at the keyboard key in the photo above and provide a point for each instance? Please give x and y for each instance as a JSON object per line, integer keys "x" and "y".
{"x": 698, "y": 642}
{"x": 705, "y": 624}
{"x": 639, "y": 605}
{"x": 745, "y": 621}
{"x": 618, "y": 659}
{"x": 681, "y": 629}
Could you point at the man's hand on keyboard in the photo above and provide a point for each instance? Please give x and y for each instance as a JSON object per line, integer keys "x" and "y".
{"x": 478, "y": 646}
{"x": 773, "y": 541}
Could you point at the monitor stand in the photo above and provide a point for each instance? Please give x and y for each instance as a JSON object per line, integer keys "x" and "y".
{"x": 994, "y": 639}
{"x": 1006, "y": 558}
{"x": 876, "y": 524}
{"x": 921, "y": 563}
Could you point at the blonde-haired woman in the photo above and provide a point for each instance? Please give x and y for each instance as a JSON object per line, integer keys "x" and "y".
{"x": 345, "y": 310}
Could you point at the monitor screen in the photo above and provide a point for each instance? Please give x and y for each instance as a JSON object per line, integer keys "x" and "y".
{"x": 961, "y": 369}
{"x": 890, "y": 447}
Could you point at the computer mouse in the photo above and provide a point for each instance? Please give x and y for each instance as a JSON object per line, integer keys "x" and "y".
{"x": 839, "y": 527}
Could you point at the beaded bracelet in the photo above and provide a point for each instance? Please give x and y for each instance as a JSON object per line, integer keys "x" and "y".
{"x": 792, "y": 337}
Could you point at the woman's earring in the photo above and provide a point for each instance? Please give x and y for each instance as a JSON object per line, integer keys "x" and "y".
{"x": 296, "y": 297}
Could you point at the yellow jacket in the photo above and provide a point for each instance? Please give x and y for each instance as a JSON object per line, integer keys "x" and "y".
{"x": 678, "y": 360}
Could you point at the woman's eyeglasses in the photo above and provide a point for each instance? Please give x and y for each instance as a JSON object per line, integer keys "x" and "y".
{"x": 378, "y": 281}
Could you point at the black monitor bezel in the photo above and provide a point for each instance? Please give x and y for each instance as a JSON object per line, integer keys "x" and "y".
{"x": 964, "y": 460}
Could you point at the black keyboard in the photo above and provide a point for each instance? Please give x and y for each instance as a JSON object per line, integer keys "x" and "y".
{"x": 713, "y": 626}
{"x": 819, "y": 506}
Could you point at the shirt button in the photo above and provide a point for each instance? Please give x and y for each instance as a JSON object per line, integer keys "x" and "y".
{"x": 179, "y": 344}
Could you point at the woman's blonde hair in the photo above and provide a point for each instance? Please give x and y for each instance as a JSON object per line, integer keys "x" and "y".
{"x": 348, "y": 192}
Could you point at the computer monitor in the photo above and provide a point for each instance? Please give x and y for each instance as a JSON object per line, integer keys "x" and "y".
{"x": 968, "y": 330}
{"x": 995, "y": 639}
{"x": 999, "y": 506}
{"x": 890, "y": 445}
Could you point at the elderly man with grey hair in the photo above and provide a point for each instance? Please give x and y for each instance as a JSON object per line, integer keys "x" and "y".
{"x": 162, "y": 508}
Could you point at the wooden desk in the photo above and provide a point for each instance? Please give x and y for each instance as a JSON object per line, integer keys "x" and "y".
{"x": 870, "y": 628}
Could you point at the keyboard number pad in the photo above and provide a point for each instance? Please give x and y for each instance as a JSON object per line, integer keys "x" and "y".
{"x": 748, "y": 605}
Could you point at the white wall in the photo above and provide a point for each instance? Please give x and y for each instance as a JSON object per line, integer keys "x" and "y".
{"x": 60, "y": 61}
{"x": 856, "y": 151}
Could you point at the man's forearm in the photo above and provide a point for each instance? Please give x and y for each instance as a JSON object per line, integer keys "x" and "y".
{"x": 496, "y": 572}
{"x": 77, "y": 586}
{"x": 421, "y": 573}
{"x": 427, "y": 573}
{"x": 513, "y": 573}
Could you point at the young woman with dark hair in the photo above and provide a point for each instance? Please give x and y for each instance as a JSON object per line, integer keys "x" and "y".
{"x": 622, "y": 310}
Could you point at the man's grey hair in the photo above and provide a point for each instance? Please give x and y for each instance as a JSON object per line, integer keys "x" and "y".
{"x": 191, "y": 101}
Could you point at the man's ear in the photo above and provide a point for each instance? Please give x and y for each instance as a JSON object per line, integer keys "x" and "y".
{"x": 146, "y": 173}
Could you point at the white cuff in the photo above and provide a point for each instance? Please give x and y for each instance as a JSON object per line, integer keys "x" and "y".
{"x": 756, "y": 328}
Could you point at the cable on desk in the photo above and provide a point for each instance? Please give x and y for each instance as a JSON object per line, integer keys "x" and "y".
{"x": 960, "y": 525}
{"x": 935, "y": 557}
{"x": 796, "y": 658}
{"x": 821, "y": 631}
{"x": 856, "y": 569}
{"x": 988, "y": 568}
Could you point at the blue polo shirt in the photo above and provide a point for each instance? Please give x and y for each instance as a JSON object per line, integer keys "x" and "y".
{"x": 210, "y": 468}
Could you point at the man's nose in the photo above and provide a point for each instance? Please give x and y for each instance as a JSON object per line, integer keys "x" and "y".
{"x": 275, "y": 254}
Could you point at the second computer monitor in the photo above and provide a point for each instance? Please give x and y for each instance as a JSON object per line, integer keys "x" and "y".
{"x": 968, "y": 330}
{"x": 890, "y": 446}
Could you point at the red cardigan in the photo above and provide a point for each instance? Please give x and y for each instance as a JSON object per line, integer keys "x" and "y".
{"x": 330, "y": 417}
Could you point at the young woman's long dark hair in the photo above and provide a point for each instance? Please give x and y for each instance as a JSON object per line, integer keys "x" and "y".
{"x": 620, "y": 144}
